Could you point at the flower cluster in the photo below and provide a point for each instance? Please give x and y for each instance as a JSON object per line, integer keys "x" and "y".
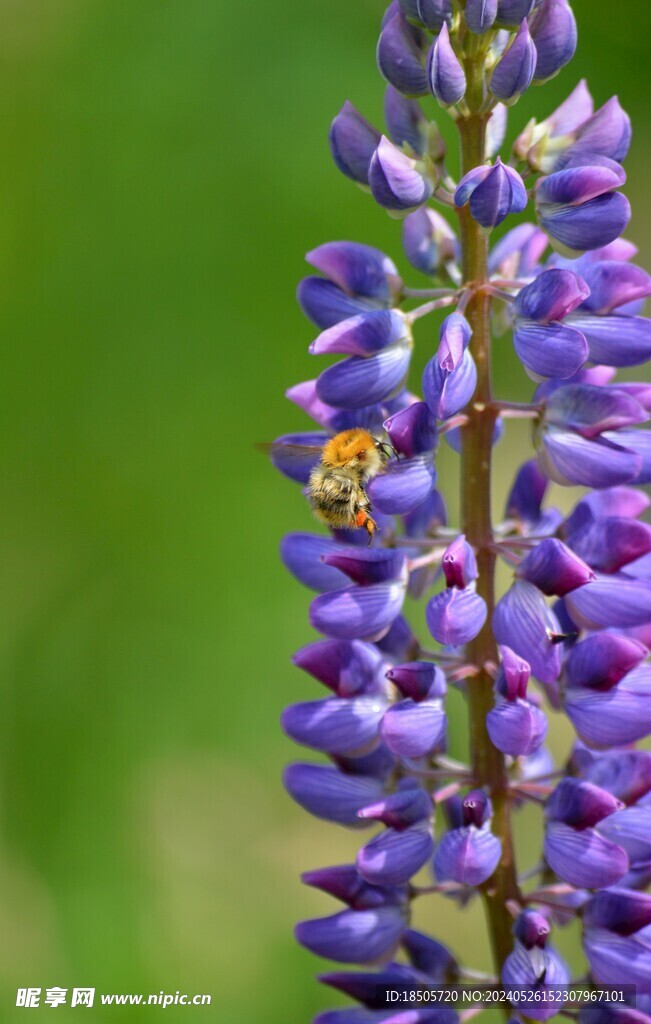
{"x": 572, "y": 632}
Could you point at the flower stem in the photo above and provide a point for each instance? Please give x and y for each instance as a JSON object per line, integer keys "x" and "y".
{"x": 488, "y": 766}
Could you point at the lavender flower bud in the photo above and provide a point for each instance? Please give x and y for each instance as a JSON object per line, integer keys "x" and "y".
{"x": 532, "y": 929}
{"x": 515, "y": 70}
{"x": 352, "y": 143}
{"x": 553, "y": 29}
{"x": 480, "y": 15}
{"x": 468, "y": 855}
{"x": 459, "y": 563}
{"x": 492, "y": 193}
{"x": 429, "y": 242}
{"x": 446, "y": 77}
{"x": 435, "y": 13}
{"x": 510, "y": 13}
{"x": 400, "y": 57}
{"x": 396, "y": 182}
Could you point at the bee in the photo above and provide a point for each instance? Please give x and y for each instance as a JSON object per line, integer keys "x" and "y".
{"x": 336, "y": 489}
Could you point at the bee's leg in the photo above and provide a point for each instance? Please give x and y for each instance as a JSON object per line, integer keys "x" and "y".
{"x": 362, "y": 518}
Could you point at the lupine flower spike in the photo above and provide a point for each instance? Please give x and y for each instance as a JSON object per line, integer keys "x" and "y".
{"x": 570, "y": 630}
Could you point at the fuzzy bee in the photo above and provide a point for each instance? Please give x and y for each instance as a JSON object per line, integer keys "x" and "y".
{"x": 336, "y": 489}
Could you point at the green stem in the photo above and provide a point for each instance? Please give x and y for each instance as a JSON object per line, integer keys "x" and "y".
{"x": 488, "y": 763}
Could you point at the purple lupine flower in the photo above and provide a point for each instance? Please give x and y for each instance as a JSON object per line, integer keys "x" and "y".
{"x": 546, "y": 346}
{"x": 470, "y": 853}
{"x": 515, "y": 725}
{"x": 533, "y": 962}
{"x": 576, "y": 615}
{"x": 579, "y": 208}
{"x": 491, "y": 193}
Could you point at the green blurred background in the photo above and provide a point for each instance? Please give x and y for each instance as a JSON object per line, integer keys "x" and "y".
{"x": 164, "y": 168}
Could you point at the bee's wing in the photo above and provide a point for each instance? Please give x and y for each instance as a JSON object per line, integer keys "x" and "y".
{"x": 281, "y": 448}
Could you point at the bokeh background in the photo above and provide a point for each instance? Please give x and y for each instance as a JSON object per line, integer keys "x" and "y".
{"x": 164, "y": 168}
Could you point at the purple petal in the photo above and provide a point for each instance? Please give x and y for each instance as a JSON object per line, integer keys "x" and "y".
{"x": 589, "y": 225}
{"x": 467, "y": 855}
{"x": 619, "y": 959}
{"x": 345, "y": 884}
{"x": 615, "y": 339}
{"x": 325, "y": 304}
{"x": 392, "y": 858}
{"x": 412, "y": 730}
{"x": 580, "y": 804}
{"x": 445, "y": 74}
{"x": 516, "y": 727}
{"x": 346, "y": 666}
{"x": 357, "y": 613}
{"x": 600, "y": 661}
{"x": 399, "y": 642}
{"x": 352, "y": 143}
{"x": 554, "y": 569}
{"x": 356, "y": 382}
{"x": 469, "y": 183}
{"x": 609, "y": 544}
{"x": 584, "y": 859}
{"x": 371, "y": 988}
{"x": 456, "y": 616}
{"x": 459, "y": 563}
{"x": 607, "y": 133}
{"x": 553, "y": 28}
{"x": 626, "y": 773}
{"x": 447, "y": 393}
{"x": 329, "y": 794}
{"x": 554, "y": 350}
{"x": 401, "y": 809}
{"x": 418, "y": 680}
{"x": 336, "y": 725}
{"x": 611, "y": 601}
{"x": 523, "y": 622}
{"x": 429, "y": 956}
{"x": 518, "y": 251}
{"x": 631, "y": 829}
{"x": 612, "y": 284}
{"x": 395, "y": 182}
{"x": 426, "y": 517}
{"x": 639, "y": 442}
{"x": 412, "y": 431}
{"x": 535, "y": 969}
{"x": 400, "y": 59}
{"x": 578, "y": 185}
{"x": 363, "y": 335}
{"x": 353, "y": 936}
{"x": 365, "y": 566}
{"x": 302, "y": 553}
{"x": 590, "y": 410}
{"x": 551, "y": 296}
{"x": 569, "y": 458}
{"x": 358, "y": 269}
{"x": 500, "y": 193}
{"x": 515, "y": 69}
{"x": 615, "y": 717}
{"x": 496, "y": 130}
{"x": 403, "y": 486}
